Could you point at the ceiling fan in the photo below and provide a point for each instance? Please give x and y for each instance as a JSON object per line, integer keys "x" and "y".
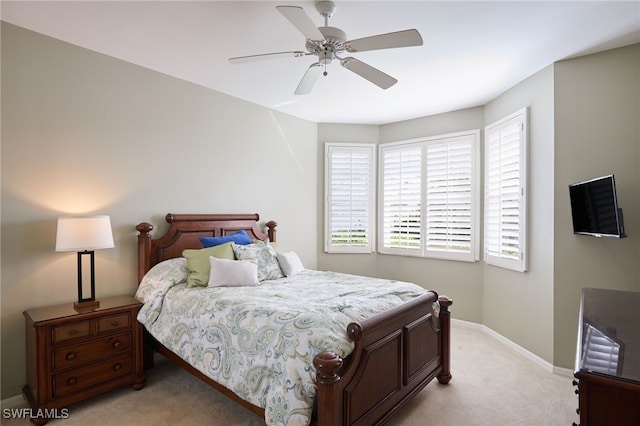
{"x": 328, "y": 43}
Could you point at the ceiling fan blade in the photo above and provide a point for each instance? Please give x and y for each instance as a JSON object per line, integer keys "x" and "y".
{"x": 404, "y": 38}
{"x": 266, "y": 56}
{"x": 297, "y": 16}
{"x": 309, "y": 79}
{"x": 368, "y": 72}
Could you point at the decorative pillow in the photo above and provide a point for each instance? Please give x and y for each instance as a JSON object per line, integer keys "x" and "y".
{"x": 290, "y": 263}
{"x": 240, "y": 237}
{"x": 232, "y": 273}
{"x": 198, "y": 262}
{"x": 263, "y": 255}
{"x": 273, "y": 245}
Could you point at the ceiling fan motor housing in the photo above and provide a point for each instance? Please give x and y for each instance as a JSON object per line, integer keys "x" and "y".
{"x": 334, "y": 42}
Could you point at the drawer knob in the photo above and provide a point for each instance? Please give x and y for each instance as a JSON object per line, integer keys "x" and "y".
{"x": 72, "y": 380}
{"x": 70, "y": 356}
{"x": 117, "y": 367}
{"x": 115, "y": 323}
{"x": 116, "y": 344}
{"x": 73, "y": 332}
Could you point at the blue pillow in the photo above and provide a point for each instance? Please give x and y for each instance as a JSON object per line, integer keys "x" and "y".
{"x": 241, "y": 237}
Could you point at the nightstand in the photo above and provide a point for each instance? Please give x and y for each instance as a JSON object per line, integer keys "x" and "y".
{"x": 73, "y": 356}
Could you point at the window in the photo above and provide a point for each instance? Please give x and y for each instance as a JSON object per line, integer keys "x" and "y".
{"x": 505, "y": 192}
{"x": 350, "y": 198}
{"x": 400, "y": 198}
{"x": 450, "y": 195}
{"x": 428, "y": 197}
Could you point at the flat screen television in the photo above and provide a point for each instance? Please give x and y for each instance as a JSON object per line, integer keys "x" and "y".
{"x": 594, "y": 208}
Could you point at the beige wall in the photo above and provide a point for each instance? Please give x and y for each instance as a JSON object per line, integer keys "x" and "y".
{"x": 597, "y": 132}
{"x": 85, "y": 133}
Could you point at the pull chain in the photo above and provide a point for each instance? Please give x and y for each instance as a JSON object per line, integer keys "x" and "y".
{"x": 325, "y": 64}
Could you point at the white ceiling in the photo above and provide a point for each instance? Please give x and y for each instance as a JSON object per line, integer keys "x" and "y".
{"x": 473, "y": 51}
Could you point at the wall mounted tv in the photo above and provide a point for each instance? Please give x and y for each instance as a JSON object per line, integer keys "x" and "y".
{"x": 594, "y": 208}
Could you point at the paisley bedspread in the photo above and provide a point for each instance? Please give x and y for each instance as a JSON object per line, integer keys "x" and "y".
{"x": 260, "y": 341}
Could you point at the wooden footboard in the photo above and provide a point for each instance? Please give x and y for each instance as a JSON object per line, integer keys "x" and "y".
{"x": 396, "y": 355}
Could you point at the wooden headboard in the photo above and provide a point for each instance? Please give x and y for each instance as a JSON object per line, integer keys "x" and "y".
{"x": 184, "y": 231}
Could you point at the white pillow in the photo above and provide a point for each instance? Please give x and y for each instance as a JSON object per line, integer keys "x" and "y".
{"x": 232, "y": 273}
{"x": 290, "y": 263}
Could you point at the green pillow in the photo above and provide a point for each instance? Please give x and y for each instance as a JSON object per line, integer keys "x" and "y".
{"x": 198, "y": 263}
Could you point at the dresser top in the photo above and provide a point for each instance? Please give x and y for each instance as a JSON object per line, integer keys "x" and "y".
{"x": 66, "y": 310}
{"x": 609, "y": 336}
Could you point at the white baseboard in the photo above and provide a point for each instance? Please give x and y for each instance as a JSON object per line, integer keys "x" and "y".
{"x": 561, "y": 371}
{"x": 14, "y": 402}
{"x": 525, "y": 352}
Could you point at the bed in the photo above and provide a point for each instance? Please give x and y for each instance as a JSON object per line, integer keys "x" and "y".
{"x": 392, "y": 355}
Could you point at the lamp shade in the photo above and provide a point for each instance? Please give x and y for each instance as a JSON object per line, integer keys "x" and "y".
{"x": 77, "y": 233}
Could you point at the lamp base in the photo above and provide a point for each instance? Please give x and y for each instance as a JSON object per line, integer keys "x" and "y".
{"x": 86, "y": 305}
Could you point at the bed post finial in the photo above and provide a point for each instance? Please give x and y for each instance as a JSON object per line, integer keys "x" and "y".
{"x": 327, "y": 364}
{"x": 271, "y": 231}
{"x": 144, "y": 245}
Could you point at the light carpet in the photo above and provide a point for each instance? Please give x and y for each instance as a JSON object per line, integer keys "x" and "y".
{"x": 492, "y": 385}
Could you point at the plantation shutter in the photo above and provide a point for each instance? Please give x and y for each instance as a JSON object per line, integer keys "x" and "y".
{"x": 350, "y": 198}
{"x": 401, "y": 198}
{"x": 449, "y": 197}
{"x": 505, "y": 202}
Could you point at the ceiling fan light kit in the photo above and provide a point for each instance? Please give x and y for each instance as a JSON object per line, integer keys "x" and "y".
{"x": 328, "y": 43}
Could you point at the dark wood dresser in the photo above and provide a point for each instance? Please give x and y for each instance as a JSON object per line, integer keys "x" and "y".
{"x": 72, "y": 356}
{"x": 608, "y": 358}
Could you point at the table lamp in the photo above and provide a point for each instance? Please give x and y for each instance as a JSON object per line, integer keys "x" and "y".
{"x": 84, "y": 234}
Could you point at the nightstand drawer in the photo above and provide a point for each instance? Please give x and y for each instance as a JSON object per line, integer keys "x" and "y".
{"x": 71, "y": 331}
{"x": 91, "y": 375}
{"x": 114, "y": 322}
{"x": 70, "y": 356}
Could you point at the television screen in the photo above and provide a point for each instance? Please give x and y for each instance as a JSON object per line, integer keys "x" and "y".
{"x": 594, "y": 208}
